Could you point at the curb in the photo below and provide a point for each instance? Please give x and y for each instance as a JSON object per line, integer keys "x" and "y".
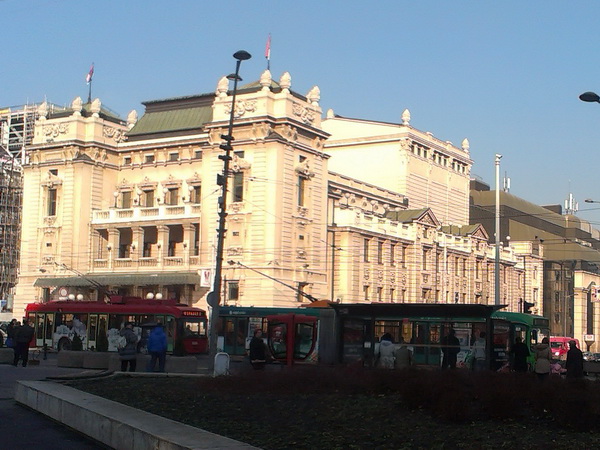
{"x": 113, "y": 424}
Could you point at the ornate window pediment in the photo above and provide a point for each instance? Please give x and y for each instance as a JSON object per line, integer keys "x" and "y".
{"x": 238, "y": 164}
{"x": 147, "y": 185}
{"x": 51, "y": 181}
{"x": 171, "y": 183}
{"x": 303, "y": 169}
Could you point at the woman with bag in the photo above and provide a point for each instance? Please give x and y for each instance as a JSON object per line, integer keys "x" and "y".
{"x": 543, "y": 355}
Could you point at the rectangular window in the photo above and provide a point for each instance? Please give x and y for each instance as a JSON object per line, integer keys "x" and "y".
{"x": 403, "y": 256}
{"x": 233, "y": 291}
{"x": 477, "y": 269}
{"x": 126, "y": 199}
{"x": 393, "y": 254}
{"x": 456, "y": 266}
{"x": 172, "y": 197}
{"x": 464, "y": 267}
{"x": 366, "y": 293}
{"x": 380, "y": 252}
{"x": 148, "y": 199}
{"x": 197, "y": 154}
{"x": 379, "y": 294}
{"x": 366, "y": 250}
{"x": 238, "y": 187}
{"x": 52, "y": 202}
{"x": 301, "y": 187}
{"x": 196, "y": 194}
{"x": 392, "y": 295}
{"x": 148, "y": 159}
{"x": 425, "y": 256}
{"x": 173, "y": 157}
{"x": 127, "y": 161}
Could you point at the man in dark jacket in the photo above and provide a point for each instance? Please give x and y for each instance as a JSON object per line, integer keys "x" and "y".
{"x": 451, "y": 348}
{"x": 157, "y": 348}
{"x": 258, "y": 354}
{"x": 23, "y": 336}
{"x": 520, "y": 353}
{"x": 574, "y": 364}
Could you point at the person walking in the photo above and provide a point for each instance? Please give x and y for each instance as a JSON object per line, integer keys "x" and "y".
{"x": 542, "y": 359}
{"x": 23, "y": 336}
{"x": 258, "y": 350}
{"x": 387, "y": 349}
{"x": 520, "y": 353}
{"x": 128, "y": 348}
{"x": 10, "y": 333}
{"x": 451, "y": 348}
{"x": 157, "y": 347}
{"x": 574, "y": 364}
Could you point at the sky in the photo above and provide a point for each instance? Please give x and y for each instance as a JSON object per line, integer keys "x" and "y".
{"x": 506, "y": 75}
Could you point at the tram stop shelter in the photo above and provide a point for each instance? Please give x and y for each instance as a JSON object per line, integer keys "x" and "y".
{"x": 420, "y": 326}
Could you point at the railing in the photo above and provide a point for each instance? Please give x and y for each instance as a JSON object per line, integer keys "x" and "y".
{"x": 116, "y": 215}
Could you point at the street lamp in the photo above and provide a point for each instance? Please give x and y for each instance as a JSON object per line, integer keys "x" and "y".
{"x": 214, "y": 297}
{"x": 590, "y": 97}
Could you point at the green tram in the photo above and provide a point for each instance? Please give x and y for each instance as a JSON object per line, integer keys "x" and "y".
{"x": 348, "y": 333}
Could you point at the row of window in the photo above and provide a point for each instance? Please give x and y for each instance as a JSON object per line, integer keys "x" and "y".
{"x": 151, "y": 159}
{"x": 438, "y": 158}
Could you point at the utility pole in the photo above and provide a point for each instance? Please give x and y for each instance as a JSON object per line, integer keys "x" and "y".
{"x": 497, "y": 232}
{"x": 214, "y": 297}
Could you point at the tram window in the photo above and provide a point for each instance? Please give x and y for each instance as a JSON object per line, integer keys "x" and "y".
{"x": 39, "y": 332}
{"x": 49, "y": 329}
{"x": 304, "y": 340}
{"x": 193, "y": 328}
{"x": 278, "y": 339}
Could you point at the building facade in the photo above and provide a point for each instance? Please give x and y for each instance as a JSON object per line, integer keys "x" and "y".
{"x": 131, "y": 206}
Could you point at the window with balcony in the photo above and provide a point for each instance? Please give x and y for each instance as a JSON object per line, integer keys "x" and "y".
{"x": 238, "y": 187}
{"x": 172, "y": 196}
{"x": 126, "y": 199}
{"x": 148, "y": 198}
{"x": 196, "y": 194}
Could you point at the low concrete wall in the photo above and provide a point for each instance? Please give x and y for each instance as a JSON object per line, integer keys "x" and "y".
{"x": 114, "y": 424}
{"x": 6, "y": 355}
{"x": 70, "y": 358}
{"x": 95, "y": 360}
{"x": 173, "y": 364}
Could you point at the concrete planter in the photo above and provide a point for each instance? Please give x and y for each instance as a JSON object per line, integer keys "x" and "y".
{"x": 96, "y": 360}
{"x": 70, "y": 358}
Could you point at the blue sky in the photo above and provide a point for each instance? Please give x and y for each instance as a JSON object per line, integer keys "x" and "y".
{"x": 505, "y": 74}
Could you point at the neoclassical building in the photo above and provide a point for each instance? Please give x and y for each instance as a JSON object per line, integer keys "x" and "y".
{"x": 331, "y": 209}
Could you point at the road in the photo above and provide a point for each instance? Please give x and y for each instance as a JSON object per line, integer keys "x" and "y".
{"x": 21, "y": 427}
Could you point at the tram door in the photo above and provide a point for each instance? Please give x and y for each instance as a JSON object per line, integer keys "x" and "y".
{"x": 43, "y": 323}
{"x": 96, "y": 327}
{"x": 425, "y": 342}
{"x": 235, "y": 332}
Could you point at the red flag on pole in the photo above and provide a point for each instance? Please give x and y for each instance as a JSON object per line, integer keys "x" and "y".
{"x": 88, "y": 77}
{"x": 268, "y": 48}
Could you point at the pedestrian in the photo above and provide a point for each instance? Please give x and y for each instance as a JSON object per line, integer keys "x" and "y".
{"x": 542, "y": 359}
{"x": 128, "y": 347}
{"x": 258, "y": 350}
{"x": 385, "y": 357}
{"x": 451, "y": 348}
{"x": 403, "y": 356}
{"x": 479, "y": 353}
{"x": 23, "y": 336}
{"x": 10, "y": 333}
{"x": 157, "y": 347}
{"x": 520, "y": 353}
{"x": 574, "y": 364}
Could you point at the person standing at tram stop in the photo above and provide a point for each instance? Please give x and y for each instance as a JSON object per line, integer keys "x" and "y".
{"x": 387, "y": 349}
{"x": 157, "y": 348}
{"x": 479, "y": 352}
{"x": 403, "y": 355}
{"x": 519, "y": 352}
{"x": 258, "y": 350}
{"x": 543, "y": 354}
{"x": 128, "y": 353}
{"x": 10, "y": 333}
{"x": 574, "y": 364}
{"x": 23, "y": 336}
{"x": 451, "y": 348}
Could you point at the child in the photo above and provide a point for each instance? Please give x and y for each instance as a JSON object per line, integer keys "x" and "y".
{"x": 556, "y": 368}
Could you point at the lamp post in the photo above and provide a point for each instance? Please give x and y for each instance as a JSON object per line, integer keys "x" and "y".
{"x": 214, "y": 297}
{"x": 590, "y": 97}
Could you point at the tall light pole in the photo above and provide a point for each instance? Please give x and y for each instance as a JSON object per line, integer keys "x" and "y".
{"x": 497, "y": 232}
{"x": 214, "y": 297}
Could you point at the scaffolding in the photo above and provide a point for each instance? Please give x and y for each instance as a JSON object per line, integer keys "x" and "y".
{"x": 16, "y": 132}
